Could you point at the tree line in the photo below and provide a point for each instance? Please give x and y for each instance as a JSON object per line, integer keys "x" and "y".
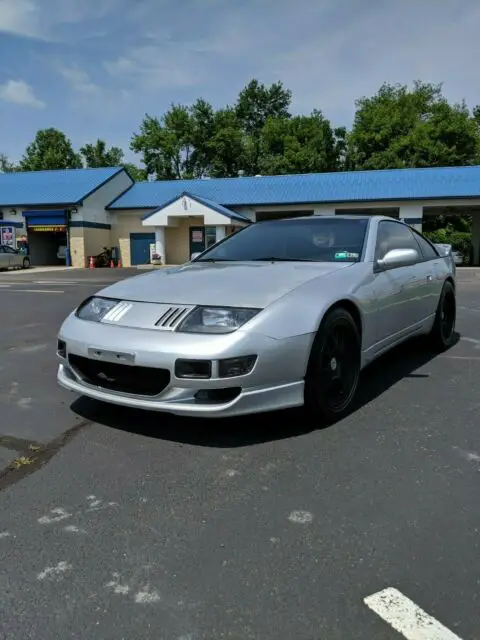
{"x": 398, "y": 127}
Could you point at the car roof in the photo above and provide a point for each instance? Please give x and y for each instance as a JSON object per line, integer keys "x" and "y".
{"x": 352, "y": 216}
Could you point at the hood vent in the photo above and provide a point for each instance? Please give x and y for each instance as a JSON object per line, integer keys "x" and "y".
{"x": 172, "y": 317}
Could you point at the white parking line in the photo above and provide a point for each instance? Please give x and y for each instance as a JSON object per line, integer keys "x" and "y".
{"x": 36, "y": 291}
{"x": 405, "y": 617}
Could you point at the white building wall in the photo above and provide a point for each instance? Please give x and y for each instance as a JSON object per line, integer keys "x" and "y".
{"x": 13, "y": 214}
{"x": 93, "y": 208}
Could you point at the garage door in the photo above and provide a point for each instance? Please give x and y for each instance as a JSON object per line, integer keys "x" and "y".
{"x": 140, "y": 247}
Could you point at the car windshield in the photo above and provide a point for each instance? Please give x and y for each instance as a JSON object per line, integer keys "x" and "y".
{"x": 313, "y": 239}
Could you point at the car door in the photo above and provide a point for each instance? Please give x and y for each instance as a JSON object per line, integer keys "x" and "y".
{"x": 434, "y": 274}
{"x": 398, "y": 291}
{"x": 4, "y": 258}
{"x": 14, "y": 257}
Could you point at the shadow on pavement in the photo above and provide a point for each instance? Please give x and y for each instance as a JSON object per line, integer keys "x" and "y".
{"x": 402, "y": 362}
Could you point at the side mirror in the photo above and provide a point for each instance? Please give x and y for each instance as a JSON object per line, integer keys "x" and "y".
{"x": 194, "y": 255}
{"x": 398, "y": 258}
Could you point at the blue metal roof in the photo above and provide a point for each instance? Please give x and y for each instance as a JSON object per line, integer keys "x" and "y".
{"x": 69, "y": 186}
{"x": 347, "y": 186}
{"x": 233, "y": 215}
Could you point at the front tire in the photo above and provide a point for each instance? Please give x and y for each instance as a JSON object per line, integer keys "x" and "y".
{"x": 442, "y": 336}
{"x": 334, "y": 368}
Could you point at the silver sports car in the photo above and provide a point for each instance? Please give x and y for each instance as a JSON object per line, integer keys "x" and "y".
{"x": 280, "y": 314}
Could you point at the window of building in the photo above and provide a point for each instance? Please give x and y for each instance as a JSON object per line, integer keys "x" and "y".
{"x": 210, "y": 236}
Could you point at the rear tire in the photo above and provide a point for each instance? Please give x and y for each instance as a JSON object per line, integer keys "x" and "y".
{"x": 333, "y": 370}
{"x": 442, "y": 336}
{"x": 26, "y": 263}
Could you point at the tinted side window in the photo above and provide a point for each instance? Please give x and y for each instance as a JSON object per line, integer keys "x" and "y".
{"x": 393, "y": 235}
{"x": 429, "y": 252}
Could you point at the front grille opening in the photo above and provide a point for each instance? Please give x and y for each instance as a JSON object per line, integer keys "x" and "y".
{"x": 61, "y": 349}
{"x": 122, "y": 378}
{"x": 217, "y": 396}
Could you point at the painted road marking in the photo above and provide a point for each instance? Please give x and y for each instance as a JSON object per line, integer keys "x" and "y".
{"x": 36, "y": 290}
{"x": 405, "y": 617}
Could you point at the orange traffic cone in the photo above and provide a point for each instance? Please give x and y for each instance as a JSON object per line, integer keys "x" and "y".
{"x": 92, "y": 263}
{"x": 111, "y": 264}
{"x": 119, "y": 265}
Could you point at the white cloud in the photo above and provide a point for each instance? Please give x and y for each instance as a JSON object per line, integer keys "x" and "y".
{"x": 53, "y": 20}
{"x": 387, "y": 42}
{"x": 19, "y": 92}
{"x": 158, "y": 66}
{"x": 20, "y": 17}
{"x": 80, "y": 81}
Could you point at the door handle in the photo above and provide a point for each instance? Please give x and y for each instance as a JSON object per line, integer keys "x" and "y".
{"x": 429, "y": 278}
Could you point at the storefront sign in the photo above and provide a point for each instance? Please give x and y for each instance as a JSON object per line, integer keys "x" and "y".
{"x": 7, "y": 236}
{"x": 197, "y": 235}
{"x": 54, "y": 228}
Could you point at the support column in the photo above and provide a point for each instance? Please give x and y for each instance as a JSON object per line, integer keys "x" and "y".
{"x": 219, "y": 233}
{"x": 160, "y": 242}
{"x": 412, "y": 214}
{"x": 476, "y": 239}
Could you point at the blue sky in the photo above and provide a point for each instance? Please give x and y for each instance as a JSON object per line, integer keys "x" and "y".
{"x": 93, "y": 68}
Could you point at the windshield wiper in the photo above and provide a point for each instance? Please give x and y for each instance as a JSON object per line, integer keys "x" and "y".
{"x": 275, "y": 259}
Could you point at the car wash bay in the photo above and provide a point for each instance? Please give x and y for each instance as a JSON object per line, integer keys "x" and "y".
{"x": 46, "y": 232}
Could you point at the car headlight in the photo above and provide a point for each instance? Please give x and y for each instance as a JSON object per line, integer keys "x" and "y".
{"x": 216, "y": 320}
{"x": 94, "y": 309}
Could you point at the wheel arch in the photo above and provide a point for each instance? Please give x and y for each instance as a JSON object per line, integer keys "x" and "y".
{"x": 352, "y": 309}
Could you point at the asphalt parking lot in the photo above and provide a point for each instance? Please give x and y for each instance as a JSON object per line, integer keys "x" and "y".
{"x": 121, "y": 524}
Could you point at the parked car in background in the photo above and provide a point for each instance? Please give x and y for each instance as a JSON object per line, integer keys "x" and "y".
{"x": 447, "y": 249}
{"x": 11, "y": 258}
{"x": 457, "y": 257}
{"x": 281, "y": 314}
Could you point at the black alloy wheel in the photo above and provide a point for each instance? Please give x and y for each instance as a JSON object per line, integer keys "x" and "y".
{"x": 334, "y": 368}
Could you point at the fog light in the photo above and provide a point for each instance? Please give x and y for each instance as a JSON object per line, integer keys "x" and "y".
{"x": 236, "y": 366}
{"x": 61, "y": 349}
{"x": 193, "y": 369}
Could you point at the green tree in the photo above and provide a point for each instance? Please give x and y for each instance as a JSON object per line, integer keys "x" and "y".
{"x": 256, "y": 104}
{"x": 302, "y": 144}
{"x": 51, "y": 149}
{"x": 135, "y": 172}
{"x": 399, "y": 127}
{"x": 165, "y": 144}
{"x": 6, "y": 165}
{"x": 227, "y": 145}
{"x": 98, "y": 155}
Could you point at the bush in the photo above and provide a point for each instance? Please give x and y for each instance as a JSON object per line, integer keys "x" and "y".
{"x": 460, "y": 241}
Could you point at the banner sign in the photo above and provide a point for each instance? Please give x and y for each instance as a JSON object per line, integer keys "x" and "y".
{"x": 7, "y": 236}
{"x": 54, "y": 228}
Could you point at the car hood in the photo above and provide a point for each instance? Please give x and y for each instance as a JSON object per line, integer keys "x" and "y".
{"x": 239, "y": 284}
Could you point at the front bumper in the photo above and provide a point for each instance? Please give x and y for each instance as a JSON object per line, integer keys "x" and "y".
{"x": 275, "y": 382}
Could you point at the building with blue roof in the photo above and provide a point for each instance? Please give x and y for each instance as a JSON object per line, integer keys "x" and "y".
{"x": 93, "y": 208}
{"x": 60, "y": 215}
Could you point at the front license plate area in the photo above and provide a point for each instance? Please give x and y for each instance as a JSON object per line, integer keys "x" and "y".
{"x": 111, "y": 356}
